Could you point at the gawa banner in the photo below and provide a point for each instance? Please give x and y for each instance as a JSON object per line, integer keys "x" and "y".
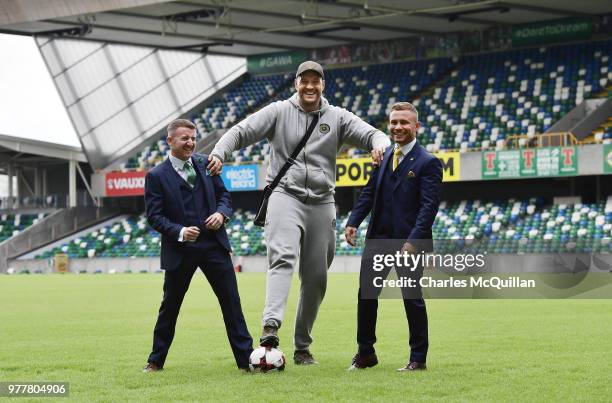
{"x": 125, "y": 183}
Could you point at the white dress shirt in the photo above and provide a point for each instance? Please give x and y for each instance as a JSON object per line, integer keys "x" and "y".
{"x": 179, "y": 166}
{"x": 406, "y": 148}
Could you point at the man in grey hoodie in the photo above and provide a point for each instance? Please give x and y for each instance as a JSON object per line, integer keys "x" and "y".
{"x": 301, "y": 219}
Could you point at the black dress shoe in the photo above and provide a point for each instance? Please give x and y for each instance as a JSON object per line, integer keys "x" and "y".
{"x": 414, "y": 366}
{"x": 269, "y": 336}
{"x": 152, "y": 367}
{"x": 363, "y": 361}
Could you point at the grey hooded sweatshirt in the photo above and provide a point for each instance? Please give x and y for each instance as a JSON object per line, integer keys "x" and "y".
{"x": 312, "y": 178}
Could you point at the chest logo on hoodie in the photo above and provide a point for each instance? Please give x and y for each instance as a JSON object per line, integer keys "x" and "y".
{"x": 324, "y": 128}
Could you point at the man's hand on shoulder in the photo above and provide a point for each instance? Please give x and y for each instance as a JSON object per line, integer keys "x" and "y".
{"x": 377, "y": 155}
{"x": 350, "y": 234}
{"x": 215, "y": 165}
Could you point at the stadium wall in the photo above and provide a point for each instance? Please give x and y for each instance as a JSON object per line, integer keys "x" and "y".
{"x": 249, "y": 264}
{"x": 499, "y": 263}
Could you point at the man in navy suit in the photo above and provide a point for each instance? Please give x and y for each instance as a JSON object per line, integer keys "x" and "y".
{"x": 189, "y": 209}
{"x": 403, "y": 196}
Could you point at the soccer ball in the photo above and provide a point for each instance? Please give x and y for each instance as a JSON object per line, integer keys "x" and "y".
{"x": 264, "y": 359}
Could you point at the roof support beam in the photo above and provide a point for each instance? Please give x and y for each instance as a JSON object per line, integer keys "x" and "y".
{"x": 223, "y": 25}
{"x": 545, "y": 10}
{"x": 177, "y": 35}
{"x": 327, "y": 19}
{"x": 426, "y": 14}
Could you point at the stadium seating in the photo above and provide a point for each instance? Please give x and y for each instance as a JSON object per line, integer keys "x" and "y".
{"x": 127, "y": 237}
{"x": 527, "y": 226}
{"x": 466, "y": 103}
{"x": 603, "y": 134}
{"x": 490, "y": 97}
{"x": 511, "y": 226}
{"x": 259, "y": 152}
{"x": 12, "y": 224}
{"x": 132, "y": 237}
{"x": 367, "y": 91}
{"x": 226, "y": 110}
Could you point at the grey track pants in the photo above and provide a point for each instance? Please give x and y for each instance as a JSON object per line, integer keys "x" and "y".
{"x": 305, "y": 231}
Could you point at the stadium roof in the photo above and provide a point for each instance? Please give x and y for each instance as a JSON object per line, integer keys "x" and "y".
{"x": 246, "y": 27}
{"x": 22, "y": 151}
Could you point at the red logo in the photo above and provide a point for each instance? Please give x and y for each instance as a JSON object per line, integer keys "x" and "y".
{"x": 528, "y": 157}
{"x": 125, "y": 183}
{"x": 490, "y": 160}
{"x": 568, "y": 153}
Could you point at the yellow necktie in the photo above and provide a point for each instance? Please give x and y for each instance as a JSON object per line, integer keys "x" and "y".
{"x": 397, "y": 154}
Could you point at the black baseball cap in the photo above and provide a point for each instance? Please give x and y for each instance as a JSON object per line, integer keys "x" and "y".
{"x": 309, "y": 65}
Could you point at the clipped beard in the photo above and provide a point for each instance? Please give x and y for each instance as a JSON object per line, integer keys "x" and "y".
{"x": 317, "y": 98}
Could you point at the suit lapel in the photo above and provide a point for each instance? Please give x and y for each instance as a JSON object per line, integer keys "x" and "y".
{"x": 175, "y": 190}
{"x": 383, "y": 166}
{"x": 407, "y": 162}
{"x": 208, "y": 187}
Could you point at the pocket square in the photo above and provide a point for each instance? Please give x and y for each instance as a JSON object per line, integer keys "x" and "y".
{"x": 411, "y": 174}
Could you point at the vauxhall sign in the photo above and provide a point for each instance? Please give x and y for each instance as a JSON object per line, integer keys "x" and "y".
{"x": 125, "y": 183}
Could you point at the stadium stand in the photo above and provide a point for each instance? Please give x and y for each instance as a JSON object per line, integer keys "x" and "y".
{"x": 492, "y": 96}
{"x": 467, "y": 103}
{"x": 226, "y": 110}
{"x": 509, "y": 226}
{"x": 369, "y": 91}
{"x": 259, "y": 151}
{"x": 472, "y": 102}
{"x": 603, "y": 134}
{"x": 526, "y": 226}
{"x": 12, "y": 224}
{"x": 132, "y": 236}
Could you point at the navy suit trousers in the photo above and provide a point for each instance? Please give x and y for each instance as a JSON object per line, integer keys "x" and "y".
{"x": 216, "y": 265}
{"x": 367, "y": 312}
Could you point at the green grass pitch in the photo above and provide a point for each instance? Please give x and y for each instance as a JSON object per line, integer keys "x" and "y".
{"x": 95, "y": 332}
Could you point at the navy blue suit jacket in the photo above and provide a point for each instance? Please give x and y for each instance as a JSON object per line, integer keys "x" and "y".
{"x": 165, "y": 211}
{"x": 414, "y": 199}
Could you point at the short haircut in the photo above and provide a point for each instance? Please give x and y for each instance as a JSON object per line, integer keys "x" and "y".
{"x": 405, "y": 106}
{"x": 175, "y": 124}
